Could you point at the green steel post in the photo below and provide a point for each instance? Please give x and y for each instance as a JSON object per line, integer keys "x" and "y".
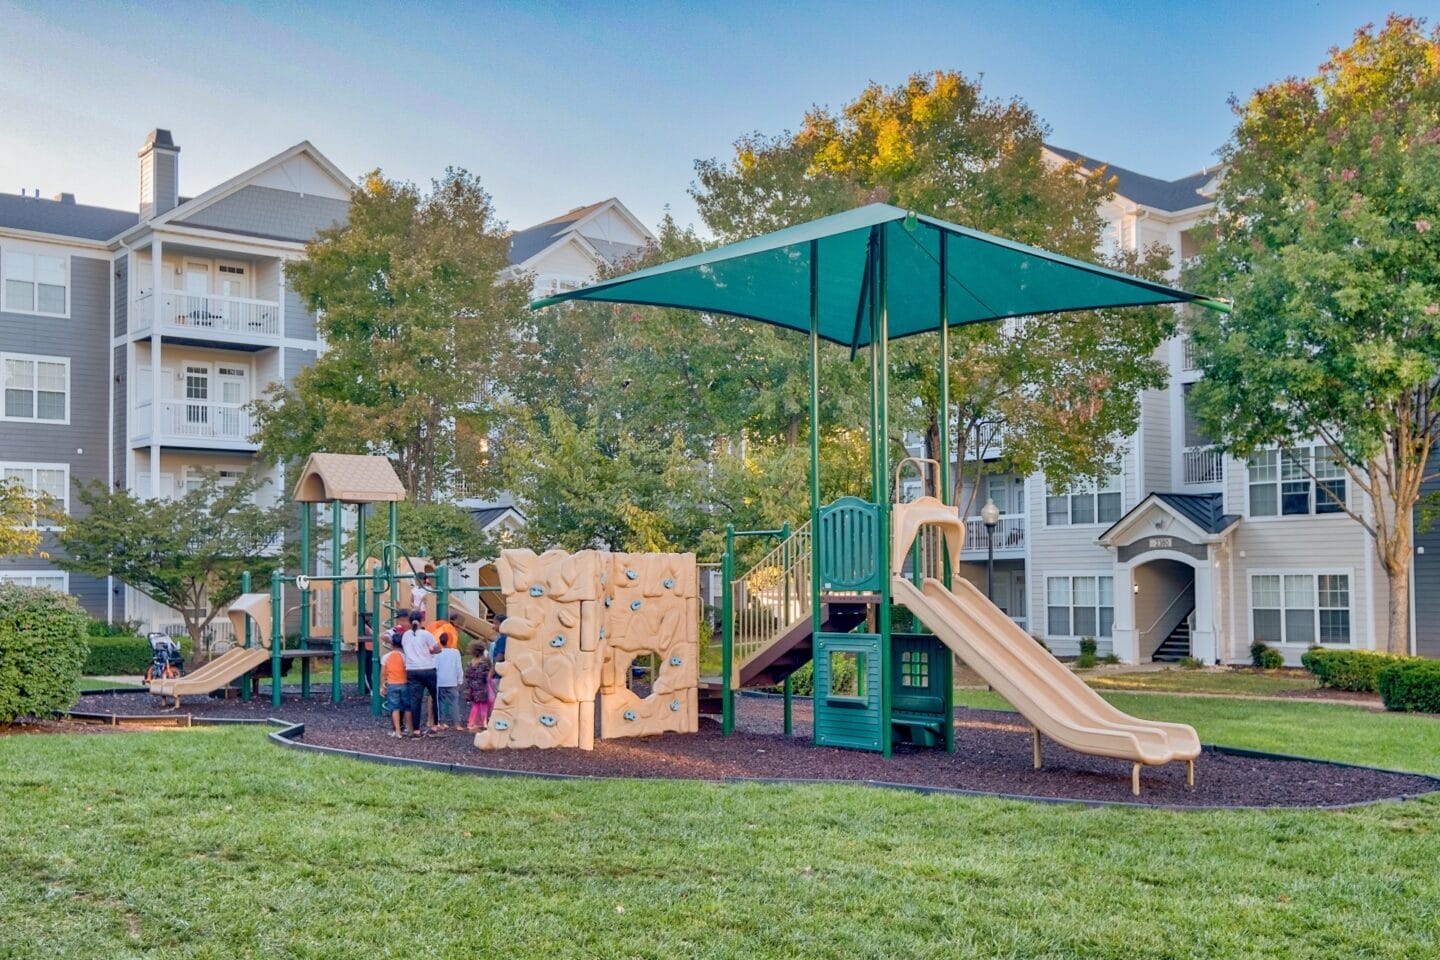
{"x": 785, "y": 566}
{"x": 337, "y": 526}
{"x": 815, "y": 571}
{"x": 727, "y": 633}
{"x": 945, "y": 492}
{"x": 789, "y": 723}
{"x": 304, "y": 678}
{"x": 360, "y": 598}
{"x": 377, "y": 587}
{"x": 277, "y": 634}
{"x": 304, "y": 570}
{"x": 881, "y": 347}
{"x": 442, "y": 592}
{"x": 246, "y": 681}
{"x": 393, "y": 564}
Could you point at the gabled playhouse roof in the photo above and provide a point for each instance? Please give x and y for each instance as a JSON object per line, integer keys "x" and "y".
{"x": 771, "y": 278}
{"x": 349, "y": 477}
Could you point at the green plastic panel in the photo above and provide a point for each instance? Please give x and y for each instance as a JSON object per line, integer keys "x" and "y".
{"x": 850, "y": 548}
{"x": 921, "y": 668}
{"x": 847, "y": 709}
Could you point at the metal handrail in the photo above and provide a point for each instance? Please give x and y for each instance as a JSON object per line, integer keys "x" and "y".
{"x": 1189, "y": 590}
{"x": 771, "y": 597}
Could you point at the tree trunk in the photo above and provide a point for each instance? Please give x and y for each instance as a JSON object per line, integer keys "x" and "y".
{"x": 1396, "y": 558}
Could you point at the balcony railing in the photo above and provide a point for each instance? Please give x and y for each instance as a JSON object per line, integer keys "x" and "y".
{"x": 1187, "y": 353}
{"x": 1009, "y": 534}
{"x": 199, "y": 315}
{"x": 1203, "y": 465}
{"x": 192, "y": 420}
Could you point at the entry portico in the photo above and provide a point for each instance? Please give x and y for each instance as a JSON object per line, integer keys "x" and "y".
{"x": 1169, "y": 551}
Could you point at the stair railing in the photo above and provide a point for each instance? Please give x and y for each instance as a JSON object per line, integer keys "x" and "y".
{"x": 1168, "y": 619}
{"x": 761, "y": 604}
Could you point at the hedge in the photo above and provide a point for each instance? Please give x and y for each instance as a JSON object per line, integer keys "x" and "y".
{"x": 124, "y": 655}
{"x": 1411, "y": 684}
{"x": 1346, "y": 669}
{"x": 42, "y": 647}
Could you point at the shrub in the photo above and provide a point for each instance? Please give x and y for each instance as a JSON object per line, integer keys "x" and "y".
{"x": 101, "y": 628}
{"x": 42, "y": 647}
{"x": 1410, "y": 684}
{"x": 1353, "y": 670}
{"x": 1190, "y": 663}
{"x": 124, "y": 655}
{"x": 1110, "y": 658}
{"x": 1087, "y": 658}
{"x": 1258, "y": 649}
{"x": 802, "y": 681}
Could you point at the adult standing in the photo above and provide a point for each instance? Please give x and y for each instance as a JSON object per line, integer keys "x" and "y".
{"x": 419, "y": 647}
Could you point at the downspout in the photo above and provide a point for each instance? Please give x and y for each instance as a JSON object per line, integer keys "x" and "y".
{"x": 110, "y": 433}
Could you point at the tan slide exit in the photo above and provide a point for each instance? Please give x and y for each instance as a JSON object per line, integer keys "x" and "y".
{"x": 471, "y": 622}
{"x": 232, "y": 664}
{"x": 1055, "y": 701}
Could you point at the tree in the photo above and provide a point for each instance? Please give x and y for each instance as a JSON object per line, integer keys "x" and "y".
{"x": 444, "y": 531}
{"x": 414, "y": 314}
{"x": 19, "y": 508}
{"x": 1324, "y": 240}
{"x": 187, "y": 554}
{"x": 1063, "y": 392}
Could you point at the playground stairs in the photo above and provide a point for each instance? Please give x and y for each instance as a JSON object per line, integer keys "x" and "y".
{"x": 773, "y": 626}
{"x": 1175, "y": 646}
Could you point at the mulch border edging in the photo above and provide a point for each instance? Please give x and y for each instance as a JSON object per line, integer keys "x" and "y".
{"x": 289, "y": 737}
{"x": 291, "y": 733}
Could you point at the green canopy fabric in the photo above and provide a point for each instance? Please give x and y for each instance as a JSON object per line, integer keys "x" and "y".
{"x": 767, "y": 278}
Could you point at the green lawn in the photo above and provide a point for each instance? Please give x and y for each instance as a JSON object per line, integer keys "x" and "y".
{"x": 90, "y": 683}
{"x": 266, "y": 852}
{"x": 1230, "y": 682}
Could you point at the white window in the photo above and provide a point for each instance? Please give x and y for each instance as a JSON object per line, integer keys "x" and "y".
{"x": 56, "y": 580}
{"x": 35, "y": 283}
{"x": 1082, "y": 606}
{"x": 1083, "y": 504}
{"x": 1300, "y": 608}
{"x": 36, "y": 388}
{"x": 51, "y": 479}
{"x": 1281, "y": 484}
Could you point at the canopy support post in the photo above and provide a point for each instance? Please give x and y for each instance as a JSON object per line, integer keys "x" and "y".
{"x": 816, "y": 617}
{"x": 880, "y": 352}
{"x": 337, "y": 569}
{"x": 948, "y": 697}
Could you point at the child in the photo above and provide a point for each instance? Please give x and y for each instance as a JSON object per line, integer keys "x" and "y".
{"x": 447, "y": 683}
{"x": 394, "y": 687}
{"x": 477, "y": 688}
{"x": 419, "y": 590}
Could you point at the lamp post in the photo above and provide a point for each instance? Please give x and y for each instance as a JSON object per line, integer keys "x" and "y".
{"x": 990, "y": 515}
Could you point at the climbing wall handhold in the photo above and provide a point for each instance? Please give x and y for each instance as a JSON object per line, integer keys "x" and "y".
{"x": 537, "y": 591}
{"x": 629, "y": 714}
{"x": 631, "y": 574}
{"x": 501, "y": 724}
{"x": 557, "y": 642}
{"x": 669, "y": 583}
{"x": 547, "y": 720}
{"x": 676, "y": 661}
{"x": 634, "y": 604}
{"x": 674, "y": 706}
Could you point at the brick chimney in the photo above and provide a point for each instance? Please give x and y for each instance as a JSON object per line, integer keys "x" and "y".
{"x": 159, "y": 174}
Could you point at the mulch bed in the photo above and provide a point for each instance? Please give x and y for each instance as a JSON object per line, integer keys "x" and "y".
{"x": 65, "y": 725}
{"x": 992, "y": 756}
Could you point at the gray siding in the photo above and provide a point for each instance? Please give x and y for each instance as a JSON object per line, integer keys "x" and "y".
{"x": 295, "y": 361}
{"x": 267, "y": 212}
{"x": 299, "y": 322}
{"x": 122, "y": 295}
{"x": 83, "y": 444}
{"x": 1427, "y": 583}
{"x": 120, "y": 400}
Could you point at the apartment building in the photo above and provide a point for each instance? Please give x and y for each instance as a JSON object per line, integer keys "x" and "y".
{"x": 1185, "y": 552}
{"x": 133, "y": 341}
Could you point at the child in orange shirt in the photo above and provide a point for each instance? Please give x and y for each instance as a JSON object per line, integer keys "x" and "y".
{"x": 393, "y": 687}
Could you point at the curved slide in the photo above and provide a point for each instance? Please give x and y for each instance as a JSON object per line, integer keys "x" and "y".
{"x": 472, "y": 623}
{"x": 1055, "y": 701}
{"x": 232, "y": 664}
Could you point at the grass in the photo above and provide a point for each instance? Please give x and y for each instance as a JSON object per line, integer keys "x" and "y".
{"x": 262, "y": 852}
{"x": 1232, "y": 682}
{"x": 90, "y": 683}
{"x": 1307, "y": 728}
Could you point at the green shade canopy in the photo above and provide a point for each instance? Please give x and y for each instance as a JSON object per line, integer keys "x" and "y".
{"x": 767, "y": 278}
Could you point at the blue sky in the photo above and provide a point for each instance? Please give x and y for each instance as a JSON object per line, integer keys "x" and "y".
{"x": 557, "y": 105}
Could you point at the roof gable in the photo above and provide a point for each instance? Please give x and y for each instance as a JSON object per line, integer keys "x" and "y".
{"x": 605, "y": 229}
{"x": 1168, "y": 195}
{"x": 279, "y": 169}
{"x": 350, "y": 477}
{"x": 1202, "y": 514}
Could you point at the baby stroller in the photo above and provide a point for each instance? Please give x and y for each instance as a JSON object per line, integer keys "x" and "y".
{"x": 166, "y": 663}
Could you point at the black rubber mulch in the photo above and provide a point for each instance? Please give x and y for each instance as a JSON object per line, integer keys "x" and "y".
{"x": 993, "y": 755}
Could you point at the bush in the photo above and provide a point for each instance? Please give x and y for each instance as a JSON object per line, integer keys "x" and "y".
{"x": 1190, "y": 663}
{"x": 101, "y": 628}
{"x": 1087, "y": 658}
{"x": 802, "y": 681}
{"x": 1353, "y": 670}
{"x": 1110, "y": 658}
{"x": 42, "y": 647}
{"x": 111, "y": 656}
{"x": 1266, "y": 657}
{"x": 1410, "y": 684}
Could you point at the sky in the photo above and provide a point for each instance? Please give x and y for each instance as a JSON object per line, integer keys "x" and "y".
{"x": 560, "y": 105}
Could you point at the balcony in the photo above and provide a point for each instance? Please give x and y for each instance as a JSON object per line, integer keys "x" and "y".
{"x": 198, "y": 425}
{"x": 240, "y": 320}
{"x": 1009, "y": 536}
{"x": 1203, "y": 466}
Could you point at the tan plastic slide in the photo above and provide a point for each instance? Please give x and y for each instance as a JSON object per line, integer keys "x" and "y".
{"x": 224, "y": 669}
{"x": 1055, "y": 701}
{"x": 471, "y": 622}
